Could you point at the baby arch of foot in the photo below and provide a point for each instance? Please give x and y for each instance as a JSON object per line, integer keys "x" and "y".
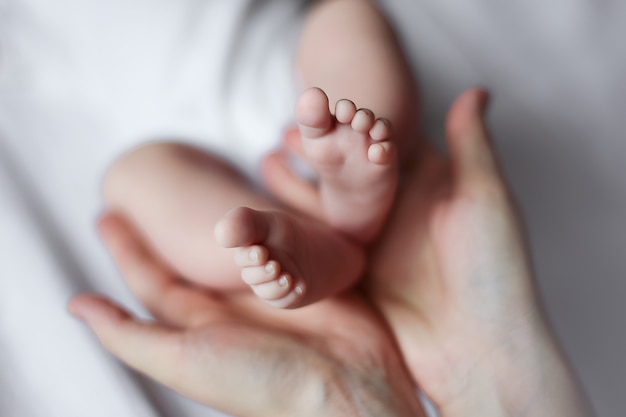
{"x": 355, "y": 159}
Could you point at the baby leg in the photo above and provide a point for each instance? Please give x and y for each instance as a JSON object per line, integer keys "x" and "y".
{"x": 175, "y": 195}
{"x": 348, "y": 49}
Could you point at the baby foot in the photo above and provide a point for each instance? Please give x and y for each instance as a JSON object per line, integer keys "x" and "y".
{"x": 288, "y": 262}
{"x": 354, "y": 159}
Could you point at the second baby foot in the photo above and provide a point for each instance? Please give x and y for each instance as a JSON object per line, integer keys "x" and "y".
{"x": 287, "y": 261}
{"x": 356, "y": 163}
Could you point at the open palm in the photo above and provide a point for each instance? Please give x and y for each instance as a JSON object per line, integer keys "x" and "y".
{"x": 450, "y": 276}
{"x": 332, "y": 358}
{"x": 451, "y": 273}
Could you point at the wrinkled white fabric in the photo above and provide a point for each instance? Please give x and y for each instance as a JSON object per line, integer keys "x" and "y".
{"x": 80, "y": 82}
{"x": 83, "y": 80}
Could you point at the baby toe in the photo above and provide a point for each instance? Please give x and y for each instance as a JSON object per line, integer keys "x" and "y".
{"x": 381, "y": 153}
{"x": 251, "y": 256}
{"x": 274, "y": 290}
{"x": 312, "y": 113}
{"x": 363, "y": 120}
{"x": 261, "y": 274}
{"x": 291, "y": 299}
{"x": 381, "y": 130}
{"x": 345, "y": 111}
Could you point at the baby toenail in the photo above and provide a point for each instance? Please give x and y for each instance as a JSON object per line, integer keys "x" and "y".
{"x": 254, "y": 255}
{"x": 283, "y": 281}
{"x": 299, "y": 290}
{"x": 269, "y": 268}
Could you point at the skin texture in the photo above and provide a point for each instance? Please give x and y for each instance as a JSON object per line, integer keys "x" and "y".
{"x": 348, "y": 49}
{"x": 180, "y": 199}
{"x": 334, "y": 358}
{"x": 310, "y": 259}
{"x": 451, "y": 276}
{"x": 355, "y": 161}
{"x": 175, "y": 195}
{"x": 291, "y": 261}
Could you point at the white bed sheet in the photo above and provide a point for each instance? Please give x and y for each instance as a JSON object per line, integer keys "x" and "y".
{"x": 83, "y": 80}
{"x": 80, "y": 82}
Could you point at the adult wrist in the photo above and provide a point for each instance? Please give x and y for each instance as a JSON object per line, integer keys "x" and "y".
{"x": 524, "y": 375}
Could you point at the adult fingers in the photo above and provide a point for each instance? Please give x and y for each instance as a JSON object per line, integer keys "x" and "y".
{"x": 166, "y": 297}
{"x": 148, "y": 347}
{"x": 189, "y": 363}
{"x": 471, "y": 152}
{"x": 238, "y": 368}
{"x": 292, "y": 140}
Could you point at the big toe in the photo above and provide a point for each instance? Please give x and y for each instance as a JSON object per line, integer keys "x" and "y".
{"x": 313, "y": 114}
{"x": 241, "y": 226}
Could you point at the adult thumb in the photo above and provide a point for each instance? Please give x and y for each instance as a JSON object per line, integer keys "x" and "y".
{"x": 470, "y": 148}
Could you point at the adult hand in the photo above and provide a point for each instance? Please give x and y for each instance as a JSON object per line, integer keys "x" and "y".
{"x": 334, "y": 358}
{"x": 452, "y": 276}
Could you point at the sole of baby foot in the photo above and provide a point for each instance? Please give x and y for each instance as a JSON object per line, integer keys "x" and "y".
{"x": 355, "y": 159}
{"x": 287, "y": 261}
